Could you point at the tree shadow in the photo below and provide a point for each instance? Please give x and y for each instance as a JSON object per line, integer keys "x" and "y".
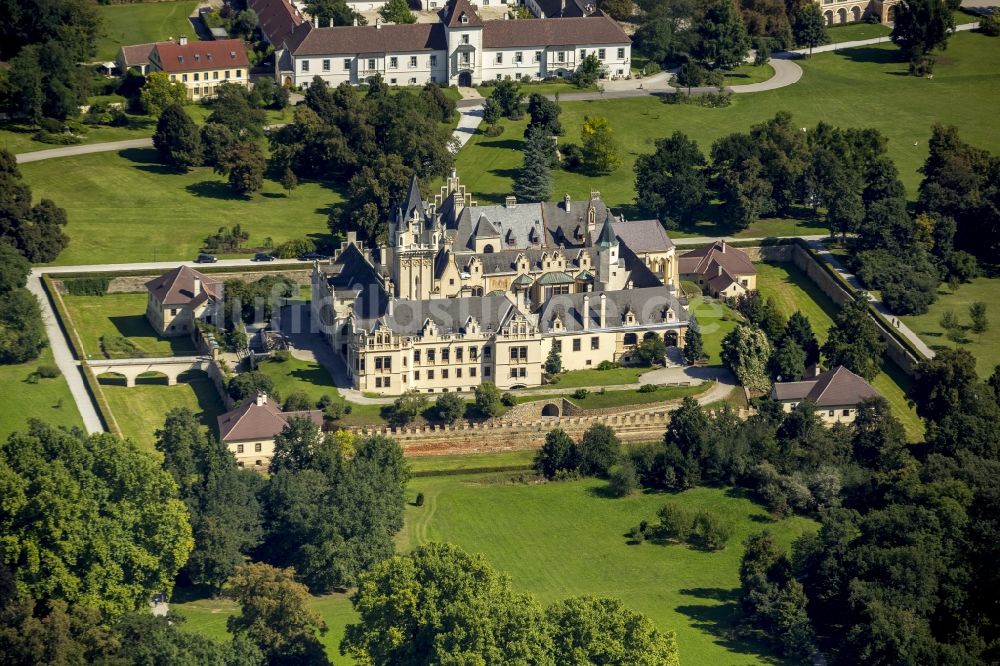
{"x": 273, "y": 195}
{"x": 505, "y": 173}
{"x": 506, "y": 144}
{"x": 604, "y": 492}
{"x": 873, "y": 55}
{"x": 214, "y": 189}
{"x": 720, "y": 620}
{"x": 137, "y": 326}
{"x": 139, "y": 155}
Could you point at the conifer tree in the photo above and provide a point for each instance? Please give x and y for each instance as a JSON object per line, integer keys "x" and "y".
{"x": 534, "y": 181}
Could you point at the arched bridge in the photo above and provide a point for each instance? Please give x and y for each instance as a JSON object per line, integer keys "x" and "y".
{"x": 130, "y": 368}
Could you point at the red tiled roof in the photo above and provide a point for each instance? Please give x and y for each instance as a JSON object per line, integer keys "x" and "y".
{"x": 137, "y": 54}
{"x": 194, "y": 56}
{"x": 707, "y": 260}
{"x": 347, "y": 40}
{"x": 276, "y": 18}
{"x": 451, "y": 15}
{"x": 177, "y": 287}
{"x": 595, "y": 29}
{"x": 252, "y": 421}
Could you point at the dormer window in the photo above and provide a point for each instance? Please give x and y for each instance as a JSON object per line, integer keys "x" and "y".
{"x": 232, "y": 54}
{"x": 180, "y": 58}
{"x": 464, "y": 19}
{"x": 197, "y": 56}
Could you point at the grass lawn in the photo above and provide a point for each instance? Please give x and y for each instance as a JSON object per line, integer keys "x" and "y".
{"x": 430, "y": 465}
{"x": 564, "y": 539}
{"x": 547, "y": 88}
{"x": 863, "y": 87}
{"x": 143, "y": 23}
{"x": 120, "y": 315}
{"x": 574, "y": 378}
{"x": 715, "y": 320}
{"x": 141, "y": 409}
{"x": 852, "y": 32}
{"x": 745, "y": 74}
{"x": 48, "y": 399}
{"x": 598, "y": 400}
{"x": 15, "y": 136}
{"x": 124, "y": 207}
{"x": 985, "y": 347}
{"x": 792, "y": 290}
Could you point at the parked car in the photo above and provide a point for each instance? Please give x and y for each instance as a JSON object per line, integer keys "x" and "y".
{"x": 206, "y": 259}
{"x": 312, "y": 256}
{"x": 263, "y": 256}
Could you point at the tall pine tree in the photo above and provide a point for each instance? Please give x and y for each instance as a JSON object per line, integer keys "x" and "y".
{"x": 534, "y": 180}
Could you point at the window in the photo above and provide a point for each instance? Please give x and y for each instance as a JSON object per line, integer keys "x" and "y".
{"x": 513, "y": 353}
{"x": 430, "y": 374}
{"x": 458, "y": 373}
{"x": 621, "y": 54}
{"x": 847, "y": 412}
{"x": 831, "y": 413}
{"x": 378, "y": 382}
{"x": 196, "y": 76}
{"x": 458, "y": 355}
{"x": 445, "y": 355}
{"x": 239, "y": 73}
{"x": 215, "y": 76}
{"x": 387, "y": 363}
{"x": 431, "y": 356}
{"x": 256, "y": 447}
{"x": 595, "y": 342}
{"x": 557, "y": 346}
{"x": 583, "y": 53}
{"x": 378, "y": 362}
{"x": 347, "y": 64}
{"x": 413, "y": 81}
{"x": 465, "y": 39}
{"x": 184, "y": 78}
{"x": 305, "y": 65}
{"x": 518, "y": 57}
{"x": 239, "y": 448}
{"x": 227, "y": 73}
{"x": 392, "y": 81}
{"x": 473, "y": 353}
{"x": 513, "y": 373}
{"x": 444, "y": 374}
{"x": 500, "y": 58}
{"x": 416, "y": 356}
{"x": 487, "y": 352}
{"x": 487, "y": 372}
{"x": 413, "y": 61}
{"x": 472, "y": 372}
{"x": 499, "y": 77}
{"x": 561, "y": 56}
{"x": 173, "y": 77}
{"x": 386, "y": 382}
{"x": 173, "y": 312}
{"x": 326, "y": 65}
{"x": 576, "y": 344}
{"x": 416, "y": 375}
{"x": 538, "y": 56}
{"x": 523, "y": 372}
{"x": 434, "y": 61}
{"x": 393, "y": 62}
{"x": 371, "y": 63}
{"x": 197, "y": 90}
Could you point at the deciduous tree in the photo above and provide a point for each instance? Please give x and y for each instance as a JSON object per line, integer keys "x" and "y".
{"x": 672, "y": 181}
{"x": 722, "y": 37}
{"x": 397, "y": 11}
{"x": 854, "y": 341}
{"x": 159, "y": 92}
{"x": 559, "y": 452}
{"x": 746, "y": 351}
{"x": 176, "y": 139}
{"x": 599, "y": 449}
{"x": 599, "y": 146}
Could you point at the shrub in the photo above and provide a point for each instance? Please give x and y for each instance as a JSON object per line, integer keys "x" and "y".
{"x": 494, "y": 130}
{"x": 675, "y": 522}
{"x": 406, "y": 408}
{"x": 709, "y": 532}
{"x": 450, "y": 407}
{"x": 990, "y": 25}
{"x": 607, "y": 365}
{"x": 649, "y": 388}
{"x": 324, "y": 401}
{"x": 297, "y": 401}
{"x": 581, "y": 393}
{"x": 508, "y": 399}
{"x": 281, "y": 356}
{"x": 87, "y": 286}
{"x": 572, "y": 157}
{"x": 116, "y": 346}
{"x": 336, "y": 411}
{"x": 47, "y": 371}
{"x": 635, "y": 535}
{"x": 419, "y": 501}
{"x": 51, "y": 125}
{"x": 294, "y": 248}
{"x": 622, "y": 479}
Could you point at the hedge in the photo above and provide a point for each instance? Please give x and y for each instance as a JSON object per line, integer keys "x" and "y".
{"x": 87, "y": 286}
{"x": 97, "y": 396}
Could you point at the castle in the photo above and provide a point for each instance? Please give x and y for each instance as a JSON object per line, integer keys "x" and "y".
{"x": 462, "y": 293}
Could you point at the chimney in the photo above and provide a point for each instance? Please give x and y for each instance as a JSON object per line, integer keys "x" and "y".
{"x": 595, "y": 195}
{"x": 562, "y": 7}
{"x": 604, "y": 299}
{"x": 261, "y": 399}
{"x": 586, "y": 312}
{"x": 378, "y": 24}
{"x": 315, "y": 22}
{"x": 510, "y": 202}
{"x": 719, "y": 268}
{"x": 723, "y": 247}
{"x": 352, "y": 237}
{"x": 182, "y": 40}
{"x": 197, "y": 286}
{"x": 355, "y": 21}
{"x": 567, "y": 201}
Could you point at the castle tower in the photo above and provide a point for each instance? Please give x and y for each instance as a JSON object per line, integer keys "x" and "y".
{"x": 610, "y": 270}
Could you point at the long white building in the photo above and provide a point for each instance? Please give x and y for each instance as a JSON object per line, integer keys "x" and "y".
{"x": 460, "y": 50}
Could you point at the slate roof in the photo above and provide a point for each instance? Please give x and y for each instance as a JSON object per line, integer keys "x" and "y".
{"x": 251, "y": 421}
{"x": 566, "y": 8}
{"x": 449, "y": 314}
{"x": 351, "y": 272}
{"x": 497, "y": 263}
{"x": 595, "y": 29}
{"x": 451, "y": 15}
{"x": 196, "y": 56}
{"x": 561, "y": 225}
{"x": 177, "y": 287}
{"x": 607, "y": 237}
{"x": 355, "y": 39}
{"x": 414, "y": 202}
{"x": 643, "y": 235}
{"x": 276, "y": 19}
{"x": 647, "y": 304}
{"x": 834, "y": 388}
